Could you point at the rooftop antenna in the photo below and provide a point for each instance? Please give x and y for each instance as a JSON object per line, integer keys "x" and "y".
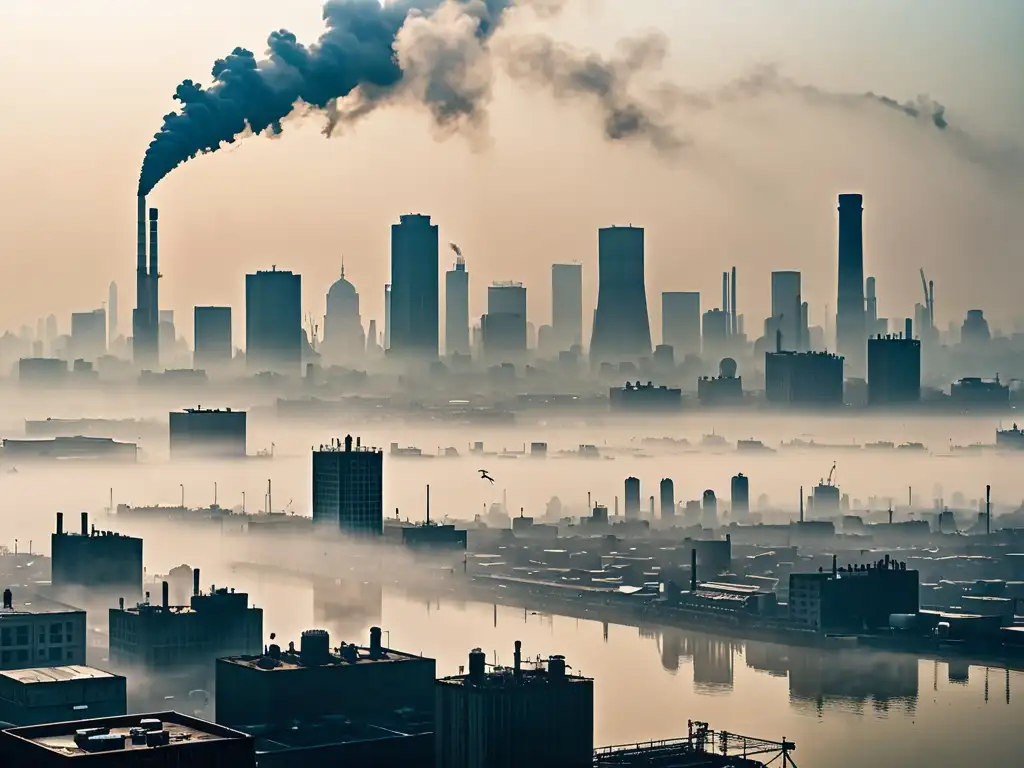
{"x": 801, "y": 503}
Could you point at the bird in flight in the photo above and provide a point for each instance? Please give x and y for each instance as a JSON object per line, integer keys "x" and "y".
{"x": 485, "y": 476}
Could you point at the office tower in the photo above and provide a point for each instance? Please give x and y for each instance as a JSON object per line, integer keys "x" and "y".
{"x": 622, "y": 329}
{"x": 387, "y": 316}
{"x": 456, "y": 309}
{"x": 668, "y": 499}
{"x": 567, "y": 305}
{"x": 348, "y": 485}
{"x": 787, "y": 310}
{"x": 709, "y": 510}
{"x": 273, "y": 322}
{"x": 212, "y": 344}
{"x": 740, "y": 496}
{"x": 414, "y": 284}
{"x": 632, "y": 498}
{"x": 88, "y": 335}
{"x": 894, "y": 370}
{"x": 504, "y": 325}
{"x": 344, "y": 339}
{"x": 715, "y": 336}
{"x": 851, "y": 334}
{"x": 680, "y": 322}
{"x": 111, "y": 314}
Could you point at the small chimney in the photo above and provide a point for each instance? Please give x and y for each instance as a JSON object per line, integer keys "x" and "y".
{"x": 556, "y": 668}
{"x": 195, "y": 582}
{"x": 887, "y": 562}
{"x": 988, "y": 509}
{"x": 835, "y": 567}
{"x": 477, "y": 666}
{"x": 60, "y": 523}
{"x": 85, "y": 523}
{"x": 519, "y": 660}
{"x": 348, "y": 443}
{"x": 166, "y": 595}
{"x": 802, "y": 504}
{"x": 376, "y": 650}
{"x": 120, "y": 603}
{"x": 428, "y": 503}
{"x": 693, "y": 570}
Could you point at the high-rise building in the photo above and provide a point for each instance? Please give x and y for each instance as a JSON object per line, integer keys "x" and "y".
{"x": 504, "y": 325}
{"x": 740, "y": 496}
{"x": 680, "y": 322}
{"x": 622, "y": 330}
{"x": 387, "y": 316}
{"x": 668, "y": 498}
{"x": 112, "y": 314}
{"x": 632, "y": 498}
{"x": 89, "y": 334}
{"x": 715, "y": 336}
{"x": 273, "y": 322}
{"x": 456, "y": 309}
{"x": 803, "y": 378}
{"x": 212, "y": 326}
{"x": 348, "y": 482}
{"x": 344, "y": 340}
{"x": 894, "y": 370}
{"x": 851, "y": 333}
{"x": 414, "y": 287}
{"x": 567, "y": 305}
{"x": 166, "y": 330}
{"x": 787, "y": 311}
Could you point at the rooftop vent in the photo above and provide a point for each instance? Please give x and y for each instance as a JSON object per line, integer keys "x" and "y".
{"x": 315, "y": 647}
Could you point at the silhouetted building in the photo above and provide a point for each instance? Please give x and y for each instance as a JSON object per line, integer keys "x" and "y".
{"x": 803, "y": 378}
{"x": 567, "y": 305}
{"x": 42, "y": 371}
{"x": 60, "y": 448}
{"x": 851, "y": 333}
{"x": 130, "y": 741}
{"x": 875, "y": 325}
{"x": 96, "y": 562}
{"x": 413, "y": 326}
{"x": 632, "y": 497}
{"x": 644, "y": 397}
{"x": 456, "y": 309}
{"x": 206, "y": 433}
{"x": 787, "y": 311}
{"x": 515, "y": 717}
{"x": 344, "y": 339}
{"x": 622, "y": 329}
{"x": 273, "y": 322}
{"x": 89, "y": 334}
{"x": 425, "y": 536}
{"x": 387, "y": 317}
{"x": 111, "y": 314}
{"x": 36, "y": 632}
{"x": 680, "y": 322}
{"x": 709, "y": 510}
{"x": 740, "y": 495}
{"x": 668, "y": 499}
{"x": 894, "y": 370}
{"x": 212, "y": 343}
{"x": 53, "y": 694}
{"x": 975, "y": 328}
{"x": 715, "y": 334}
{"x": 980, "y": 392}
{"x": 504, "y": 325}
{"x": 146, "y": 315}
{"x": 724, "y": 389}
{"x": 348, "y": 487}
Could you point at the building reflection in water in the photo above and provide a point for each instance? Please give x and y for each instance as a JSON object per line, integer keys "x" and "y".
{"x": 712, "y": 658}
{"x": 347, "y": 608}
{"x": 851, "y": 679}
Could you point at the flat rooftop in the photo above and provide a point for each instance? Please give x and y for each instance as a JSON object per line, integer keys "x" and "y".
{"x": 181, "y": 729}
{"x": 55, "y": 674}
{"x": 504, "y": 677}
{"x": 30, "y": 605}
{"x": 291, "y": 661}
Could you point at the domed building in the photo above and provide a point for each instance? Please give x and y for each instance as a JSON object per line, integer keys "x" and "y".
{"x": 344, "y": 340}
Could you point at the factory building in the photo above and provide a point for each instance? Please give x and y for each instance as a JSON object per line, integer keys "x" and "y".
{"x": 129, "y": 741}
{"x": 95, "y": 562}
{"x": 198, "y": 433}
{"x": 740, "y": 496}
{"x": 348, "y": 485}
{"x": 724, "y": 389}
{"x": 36, "y": 632}
{"x": 644, "y": 397}
{"x": 894, "y": 370}
{"x": 854, "y": 598}
{"x": 973, "y": 391}
{"x": 212, "y": 343}
{"x": 506, "y": 718}
{"x": 159, "y": 636}
{"x": 52, "y": 694}
{"x": 273, "y": 322}
{"x": 803, "y": 378}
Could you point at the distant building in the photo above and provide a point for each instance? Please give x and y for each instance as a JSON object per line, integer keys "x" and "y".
{"x": 129, "y": 741}
{"x": 504, "y": 325}
{"x": 567, "y": 305}
{"x": 273, "y": 322}
{"x": 456, "y": 309}
{"x": 644, "y": 397}
{"x": 42, "y": 371}
{"x": 715, "y": 334}
{"x": 709, "y": 510}
{"x": 206, "y": 433}
{"x": 787, "y": 311}
{"x": 740, "y": 496}
{"x": 622, "y": 329}
{"x": 632, "y": 497}
{"x": 515, "y": 717}
{"x": 975, "y": 329}
{"x": 54, "y": 694}
{"x": 344, "y": 339}
{"x": 980, "y": 392}
{"x": 803, "y": 378}
{"x": 212, "y": 344}
{"x": 89, "y": 334}
{"x": 413, "y": 323}
{"x": 36, "y": 632}
{"x": 668, "y": 499}
{"x": 680, "y": 322}
{"x": 724, "y": 389}
{"x": 95, "y": 562}
{"x": 894, "y": 370}
{"x": 428, "y": 536}
{"x": 348, "y": 487}
{"x": 78, "y": 448}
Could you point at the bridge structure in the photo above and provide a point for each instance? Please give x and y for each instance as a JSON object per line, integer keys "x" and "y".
{"x": 700, "y": 748}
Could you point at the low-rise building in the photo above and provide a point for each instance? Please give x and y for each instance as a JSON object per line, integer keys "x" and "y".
{"x": 201, "y": 433}
{"x": 53, "y": 694}
{"x": 97, "y": 563}
{"x": 37, "y": 632}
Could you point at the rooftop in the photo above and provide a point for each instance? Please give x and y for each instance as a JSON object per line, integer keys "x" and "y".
{"x": 55, "y": 674}
{"x": 128, "y": 732}
{"x": 26, "y": 604}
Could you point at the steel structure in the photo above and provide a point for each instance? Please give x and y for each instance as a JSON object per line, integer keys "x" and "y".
{"x": 701, "y": 747}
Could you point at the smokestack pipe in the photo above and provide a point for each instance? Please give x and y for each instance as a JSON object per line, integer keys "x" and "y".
{"x": 195, "y": 581}
{"x": 725, "y": 299}
{"x": 801, "y": 503}
{"x": 988, "y": 509}
{"x": 428, "y": 503}
{"x": 519, "y": 660}
{"x": 85, "y": 523}
{"x": 141, "y": 254}
{"x": 835, "y": 568}
{"x": 166, "y": 595}
{"x": 60, "y": 523}
{"x": 908, "y": 328}
{"x": 732, "y": 305}
{"x": 693, "y": 570}
{"x": 376, "y": 647}
{"x": 154, "y": 279}
{"x": 778, "y": 339}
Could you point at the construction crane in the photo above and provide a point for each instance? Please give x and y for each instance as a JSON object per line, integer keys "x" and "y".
{"x": 831, "y": 475}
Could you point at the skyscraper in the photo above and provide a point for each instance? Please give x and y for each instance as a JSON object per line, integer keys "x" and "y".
{"x": 273, "y": 322}
{"x": 680, "y": 322}
{"x": 632, "y": 498}
{"x": 504, "y": 325}
{"x": 715, "y": 334}
{"x": 622, "y": 328}
{"x": 414, "y": 288}
{"x": 567, "y": 305}
{"x": 111, "y": 313}
{"x": 89, "y": 334}
{"x": 456, "y": 309}
{"x": 787, "y": 311}
{"x": 387, "y": 316}
{"x": 851, "y": 333}
{"x": 348, "y": 484}
{"x": 212, "y": 344}
{"x": 344, "y": 339}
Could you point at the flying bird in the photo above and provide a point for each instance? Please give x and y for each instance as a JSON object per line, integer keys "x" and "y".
{"x": 485, "y": 476}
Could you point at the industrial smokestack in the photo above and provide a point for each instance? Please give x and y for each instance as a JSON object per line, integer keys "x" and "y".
{"x": 732, "y": 305}
{"x": 140, "y": 265}
{"x": 165, "y": 595}
{"x": 85, "y": 523}
{"x": 909, "y": 328}
{"x": 518, "y": 660}
{"x": 801, "y": 503}
{"x": 988, "y": 509}
{"x": 725, "y": 300}
{"x": 835, "y": 568}
{"x": 693, "y": 570}
{"x": 195, "y": 581}
{"x": 60, "y": 523}
{"x": 154, "y": 282}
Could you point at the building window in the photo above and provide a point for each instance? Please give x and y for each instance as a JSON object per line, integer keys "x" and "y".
{"x": 55, "y": 654}
{"x": 21, "y": 636}
{"x": 5, "y": 657}
{"x": 22, "y": 656}
{"x": 5, "y": 636}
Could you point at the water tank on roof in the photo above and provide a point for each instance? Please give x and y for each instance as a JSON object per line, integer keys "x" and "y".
{"x": 315, "y": 647}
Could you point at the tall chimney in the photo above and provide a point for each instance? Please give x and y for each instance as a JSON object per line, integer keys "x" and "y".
{"x": 801, "y": 503}
{"x": 518, "y": 660}
{"x": 909, "y": 328}
{"x": 85, "y": 523}
{"x": 60, "y": 523}
{"x": 693, "y": 570}
{"x": 166, "y": 595}
{"x": 834, "y": 566}
{"x": 732, "y": 305}
{"x": 195, "y": 581}
{"x": 725, "y": 300}
{"x": 376, "y": 648}
{"x": 154, "y": 281}
{"x": 428, "y": 503}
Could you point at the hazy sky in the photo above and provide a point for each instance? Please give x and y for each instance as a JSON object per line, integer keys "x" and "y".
{"x": 86, "y": 85}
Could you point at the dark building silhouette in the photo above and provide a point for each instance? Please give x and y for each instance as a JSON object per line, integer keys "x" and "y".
{"x": 980, "y": 392}
{"x": 507, "y": 718}
{"x": 130, "y": 741}
{"x": 273, "y": 322}
{"x": 680, "y": 322}
{"x": 644, "y": 397}
{"x": 97, "y": 562}
{"x": 52, "y": 694}
{"x": 206, "y": 433}
{"x": 668, "y": 499}
{"x": 413, "y": 327}
{"x": 622, "y": 329}
{"x": 348, "y": 487}
{"x": 851, "y": 333}
{"x": 724, "y": 389}
{"x": 456, "y": 309}
{"x": 894, "y": 370}
{"x": 709, "y": 510}
{"x": 632, "y": 498}
{"x": 89, "y": 335}
{"x": 504, "y": 325}
{"x": 212, "y": 343}
{"x": 975, "y": 328}
{"x": 567, "y": 305}
{"x": 37, "y": 632}
{"x": 42, "y": 371}
{"x": 146, "y": 315}
{"x": 740, "y": 495}
{"x": 787, "y": 311}
{"x": 715, "y": 334}
{"x": 803, "y": 378}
